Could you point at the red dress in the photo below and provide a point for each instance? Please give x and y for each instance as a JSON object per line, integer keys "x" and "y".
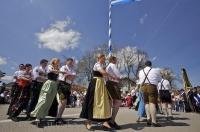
{"x": 128, "y": 101}
{"x": 22, "y": 83}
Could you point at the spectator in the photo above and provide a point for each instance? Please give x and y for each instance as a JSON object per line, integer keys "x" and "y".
{"x": 129, "y": 101}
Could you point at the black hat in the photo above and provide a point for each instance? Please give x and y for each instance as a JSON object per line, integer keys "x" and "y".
{"x": 43, "y": 61}
{"x": 70, "y": 59}
{"x": 148, "y": 63}
{"x": 28, "y": 65}
{"x": 21, "y": 65}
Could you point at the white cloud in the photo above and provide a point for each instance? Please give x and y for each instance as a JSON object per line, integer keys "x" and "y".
{"x": 76, "y": 61}
{"x": 3, "y": 61}
{"x": 143, "y": 18}
{"x": 154, "y": 58}
{"x": 7, "y": 78}
{"x": 58, "y": 38}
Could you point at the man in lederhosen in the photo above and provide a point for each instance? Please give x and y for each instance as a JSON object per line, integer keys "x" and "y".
{"x": 148, "y": 79}
{"x": 112, "y": 85}
{"x": 165, "y": 97}
{"x": 66, "y": 77}
{"x": 39, "y": 77}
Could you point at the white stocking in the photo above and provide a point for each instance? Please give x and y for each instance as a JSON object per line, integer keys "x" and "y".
{"x": 153, "y": 112}
{"x": 147, "y": 109}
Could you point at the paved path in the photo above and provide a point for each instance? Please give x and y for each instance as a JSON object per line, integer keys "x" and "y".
{"x": 183, "y": 122}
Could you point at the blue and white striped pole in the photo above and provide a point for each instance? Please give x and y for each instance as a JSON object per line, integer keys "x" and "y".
{"x": 110, "y": 30}
{"x": 112, "y": 3}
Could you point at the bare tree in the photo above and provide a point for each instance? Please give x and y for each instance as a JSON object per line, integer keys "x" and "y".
{"x": 86, "y": 64}
{"x": 168, "y": 74}
{"x": 130, "y": 60}
{"x": 142, "y": 57}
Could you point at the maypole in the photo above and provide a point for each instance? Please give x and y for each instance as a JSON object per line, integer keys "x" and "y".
{"x": 113, "y": 3}
{"x": 110, "y": 30}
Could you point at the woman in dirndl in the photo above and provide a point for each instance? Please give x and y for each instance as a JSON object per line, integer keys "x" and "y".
{"x": 141, "y": 107}
{"x": 97, "y": 105}
{"x": 15, "y": 91}
{"x": 47, "y": 93}
{"x": 24, "y": 80}
{"x": 113, "y": 86}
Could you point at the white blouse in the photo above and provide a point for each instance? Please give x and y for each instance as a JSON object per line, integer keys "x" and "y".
{"x": 98, "y": 67}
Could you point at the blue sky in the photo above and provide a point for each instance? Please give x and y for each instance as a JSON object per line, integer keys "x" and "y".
{"x": 167, "y": 29}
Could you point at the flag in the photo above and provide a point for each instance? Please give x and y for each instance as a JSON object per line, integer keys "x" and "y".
{"x": 186, "y": 81}
{"x": 2, "y": 74}
{"x": 116, "y": 2}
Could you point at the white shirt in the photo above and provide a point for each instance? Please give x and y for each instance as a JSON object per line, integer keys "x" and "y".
{"x": 25, "y": 74}
{"x": 164, "y": 86}
{"x": 2, "y": 95}
{"x": 113, "y": 71}
{"x": 133, "y": 92}
{"x": 154, "y": 76}
{"x": 69, "y": 71}
{"x": 50, "y": 68}
{"x": 98, "y": 67}
{"x": 36, "y": 73}
{"x": 17, "y": 74}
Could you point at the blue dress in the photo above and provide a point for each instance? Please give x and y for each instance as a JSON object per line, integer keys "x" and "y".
{"x": 141, "y": 108}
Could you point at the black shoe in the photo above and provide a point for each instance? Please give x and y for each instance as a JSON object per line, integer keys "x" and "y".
{"x": 114, "y": 125}
{"x": 40, "y": 124}
{"x": 166, "y": 118}
{"x": 27, "y": 117}
{"x": 56, "y": 121}
{"x": 63, "y": 121}
{"x": 15, "y": 119}
{"x": 111, "y": 124}
{"x": 155, "y": 125}
{"x": 60, "y": 121}
{"x": 148, "y": 122}
{"x": 171, "y": 118}
{"x": 30, "y": 118}
{"x": 138, "y": 120}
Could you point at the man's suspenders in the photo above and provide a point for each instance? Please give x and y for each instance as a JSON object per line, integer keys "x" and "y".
{"x": 146, "y": 76}
{"x": 162, "y": 86}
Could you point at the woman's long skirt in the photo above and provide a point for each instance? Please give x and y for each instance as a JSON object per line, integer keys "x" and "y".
{"x": 19, "y": 101}
{"x": 46, "y": 98}
{"x": 15, "y": 91}
{"x": 97, "y": 103}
